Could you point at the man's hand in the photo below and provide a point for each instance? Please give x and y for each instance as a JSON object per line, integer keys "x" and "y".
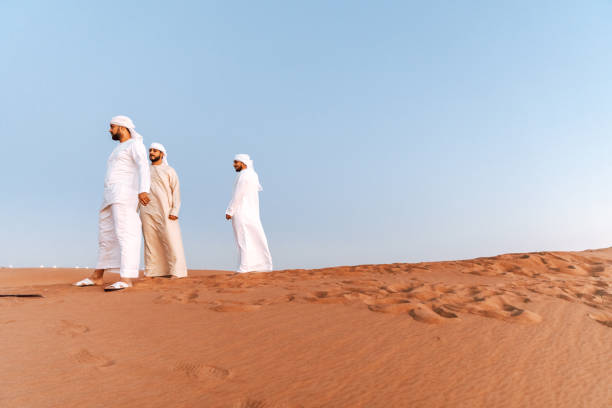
{"x": 173, "y": 217}
{"x": 228, "y": 217}
{"x": 144, "y": 198}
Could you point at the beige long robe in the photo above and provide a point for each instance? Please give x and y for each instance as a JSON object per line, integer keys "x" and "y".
{"x": 164, "y": 253}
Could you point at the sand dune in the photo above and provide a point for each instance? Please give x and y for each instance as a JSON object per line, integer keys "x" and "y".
{"x": 514, "y": 330}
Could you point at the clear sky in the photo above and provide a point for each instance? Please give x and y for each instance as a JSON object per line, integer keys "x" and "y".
{"x": 382, "y": 131}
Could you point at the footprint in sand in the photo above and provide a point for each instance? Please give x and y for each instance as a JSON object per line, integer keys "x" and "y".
{"x": 419, "y": 312}
{"x": 423, "y": 314}
{"x": 327, "y": 297}
{"x": 72, "y": 329}
{"x": 250, "y": 403}
{"x": 445, "y": 311}
{"x": 602, "y": 318}
{"x": 188, "y": 297}
{"x": 235, "y": 307}
{"x": 198, "y": 371}
{"x": 424, "y": 293}
{"x": 369, "y": 299}
{"x": 275, "y": 301}
{"x": 233, "y": 291}
{"x": 162, "y": 300}
{"x": 597, "y": 269}
{"x": 181, "y": 298}
{"x": 498, "y": 308}
{"x": 397, "y": 308}
{"x": 85, "y": 357}
{"x": 401, "y": 287}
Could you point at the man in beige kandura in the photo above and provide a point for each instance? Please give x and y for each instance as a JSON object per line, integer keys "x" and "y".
{"x": 164, "y": 254}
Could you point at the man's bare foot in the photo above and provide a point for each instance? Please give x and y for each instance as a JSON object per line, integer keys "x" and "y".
{"x": 97, "y": 277}
{"x": 121, "y": 284}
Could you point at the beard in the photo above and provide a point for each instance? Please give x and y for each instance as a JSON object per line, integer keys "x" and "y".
{"x": 155, "y": 159}
{"x": 115, "y": 136}
{"x": 238, "y": 170}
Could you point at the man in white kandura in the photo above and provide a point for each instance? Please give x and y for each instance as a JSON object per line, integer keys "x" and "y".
{"x": 127, "y": 182}
{"x": 164, "y": 254}
{"x": 243, "y": 210}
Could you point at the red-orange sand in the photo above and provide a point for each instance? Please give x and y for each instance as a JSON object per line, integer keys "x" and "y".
{"x": 518, "y": 330}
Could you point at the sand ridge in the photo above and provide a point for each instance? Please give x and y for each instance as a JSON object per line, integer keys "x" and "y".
{"x": 409, "y": 288}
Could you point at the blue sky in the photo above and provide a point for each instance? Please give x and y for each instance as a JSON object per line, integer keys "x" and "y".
{"x": 390, "y": 131}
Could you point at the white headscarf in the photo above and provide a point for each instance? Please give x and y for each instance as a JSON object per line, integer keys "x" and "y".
{"x": 161, "y": 148}
{"x": 246, "y": 159}
{"x": 126, "y": 123}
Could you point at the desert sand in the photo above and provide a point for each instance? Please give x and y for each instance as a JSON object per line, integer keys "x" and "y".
{"x": 516, "y": 330}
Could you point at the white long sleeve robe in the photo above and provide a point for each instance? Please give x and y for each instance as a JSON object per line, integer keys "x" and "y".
{"x": 164, "y": 253}
{"x": 119, "y": 236}
{"x": 127, "y": 173}
{"x": 254, "y": 255}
